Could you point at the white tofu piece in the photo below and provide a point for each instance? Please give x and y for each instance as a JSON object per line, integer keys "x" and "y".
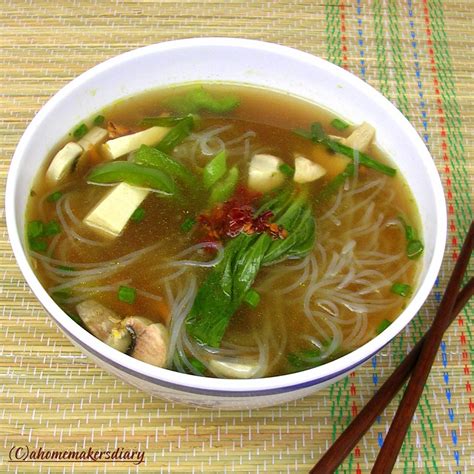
{"x": 111, "y": 214}
{"x": 306, "y": 170}
{"x": 63, "y": 162}
{"x": 234, "y": 370}
{"x": 121, "y": 146}
{"x": 93, "y": 137}
{"x": 264, "y": 173}
{"x": 361, "y": 138}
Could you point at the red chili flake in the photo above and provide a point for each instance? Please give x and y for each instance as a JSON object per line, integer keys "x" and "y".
{"x": 236, "y": 216}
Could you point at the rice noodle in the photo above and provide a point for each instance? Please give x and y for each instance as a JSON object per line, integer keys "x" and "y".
{"x": 72, "y": 234}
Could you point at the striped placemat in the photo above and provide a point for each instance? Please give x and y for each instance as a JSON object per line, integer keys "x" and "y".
{"x": 419, "y": 55}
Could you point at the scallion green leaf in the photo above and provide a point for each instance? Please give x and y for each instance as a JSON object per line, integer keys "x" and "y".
{"x": 382, "y": 326}
{"x": 414, "y": 249}
{"x": 401, "y": 289}
{"x": 215, "y": 169}
{"x": 51, "y": 228}
{"x": 54, "y": 197}
{"x": 61, "y": 295}
{"x": 138, "y": 215}
{"x": 339, "y": 124}
{"x": 99, "y": 120}
{"x": 287, "y": 170}
{"x": 198, "y": 365}
{"x": 35, "y": 229}
{"x": 80, "y": 131}
{"x": 252, "y": 298}
{"x": 318, "y": 135}
{"x": 224, "y": 188}
{"x": 187, "y": 224}
{"x": 414, "y": 246}
{"x": 126, "y": 294}
{"x": 37, "y": 244}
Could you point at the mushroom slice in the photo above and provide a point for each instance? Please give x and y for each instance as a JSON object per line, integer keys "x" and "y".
{"x": 234, "y": 370}
{"x": 152, "y": 344}
{"x": 119, "y": 338}
{"x": 306, "y": 170}
{"x": 264, "y": 173}
{"x": 98, "y": 319}
{"x": 63, "y": 162}
{"x": 137, "y": 323}
{"x": 361, "y": 138}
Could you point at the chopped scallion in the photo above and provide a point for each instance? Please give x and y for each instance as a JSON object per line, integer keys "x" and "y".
{"x": 305, "y": 359}
{"x": 198, "y": 365}
{"x": 317, "y": 132}
{"x": 339, "y": 124}
{"x": 54, "y": 197}
{"x": 99, "y": 120}
{"x": 126, "y": 294}
{"x": 252, "y": 298}
{"x": 414, "y": 245}
{"x": 401, "y": 289}
{"x": 187, "y": 224}
{"x": 287, "y": 170}
{"x": 80, "y": 131}
{"x": 61, "y": 295}
{"x": 138, "y": 215}
{"x": 215, "y": 169}
{"x": 51, "y": 228}
{"x": 37, "y": 244}
{"x": 382, "y": 326}
{"x": 35, "y": 229}
{"x": 414, "y": 249}
{"x": 318, "y": 135}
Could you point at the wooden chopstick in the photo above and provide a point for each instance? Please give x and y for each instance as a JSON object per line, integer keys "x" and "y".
{"x": 402, "y": 419}
{"x": 348, "y": 440}
{"x": 367, "y": 416}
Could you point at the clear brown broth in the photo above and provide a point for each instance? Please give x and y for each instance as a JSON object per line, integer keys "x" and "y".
{"x": 271, "y": 116}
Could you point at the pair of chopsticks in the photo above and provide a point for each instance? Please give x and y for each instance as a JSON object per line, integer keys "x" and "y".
{"x": 417, "y": 364}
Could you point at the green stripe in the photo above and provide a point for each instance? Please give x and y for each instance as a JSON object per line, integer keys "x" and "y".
{"x": 420, "y": 323}
{"x": 400, "y": 78}
{"x": 380, "y": 49}
{"x": 334, "y": 55}
{"x": 453, "y": 119}
{"x": 333, "y": 33}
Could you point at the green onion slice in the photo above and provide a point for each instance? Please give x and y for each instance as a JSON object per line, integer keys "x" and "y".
{"x": 126, "y": 294}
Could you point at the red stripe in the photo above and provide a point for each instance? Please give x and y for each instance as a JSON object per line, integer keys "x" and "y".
{"x": 449, "y": 193}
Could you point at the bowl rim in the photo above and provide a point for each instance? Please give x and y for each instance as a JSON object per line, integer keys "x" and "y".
{"x": 216, "y": 386}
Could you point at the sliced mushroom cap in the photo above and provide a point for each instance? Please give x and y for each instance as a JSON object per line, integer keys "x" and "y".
{"x": 361, "y": 138}
{"x": 234, "y": 370}
{"x": 152, "y": 344}
{"x": 137, "y": 323}
{"x": 119, "y": 338}
{"x": 264, "y": 173}
{"x": 306, "y": 170}
{"x": 98, "y": 319}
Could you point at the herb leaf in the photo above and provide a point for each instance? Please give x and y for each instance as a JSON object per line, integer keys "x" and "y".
{"x": 226, "y": 285}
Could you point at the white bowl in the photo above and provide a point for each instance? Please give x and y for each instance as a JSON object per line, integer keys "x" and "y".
{"x": 242, "y": 61}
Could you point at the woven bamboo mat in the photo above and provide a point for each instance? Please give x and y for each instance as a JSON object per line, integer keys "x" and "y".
{"x": 417, "y": 53}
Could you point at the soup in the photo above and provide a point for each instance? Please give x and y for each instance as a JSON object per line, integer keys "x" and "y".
{"x": 224, "y": 231}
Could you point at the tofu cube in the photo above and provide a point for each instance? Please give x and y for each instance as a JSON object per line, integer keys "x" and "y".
{"x": 111, "y": 214}
{"x": 122, "y": 145}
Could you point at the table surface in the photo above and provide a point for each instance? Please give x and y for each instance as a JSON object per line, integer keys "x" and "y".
{"x": 419, "y": 55}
